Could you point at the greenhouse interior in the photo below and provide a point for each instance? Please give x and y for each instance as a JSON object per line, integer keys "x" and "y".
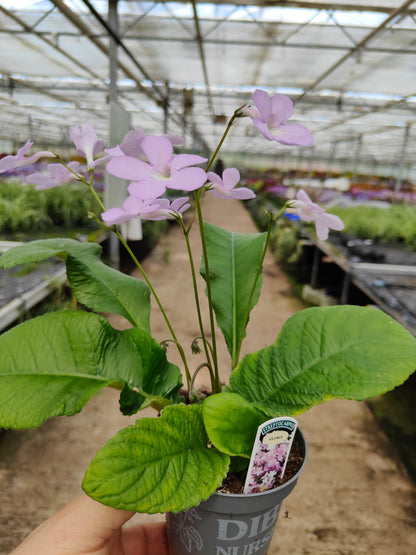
{"x": 85, "y": 82}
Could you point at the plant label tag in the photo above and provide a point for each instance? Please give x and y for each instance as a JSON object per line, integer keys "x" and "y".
{"x": 270, "y": 454}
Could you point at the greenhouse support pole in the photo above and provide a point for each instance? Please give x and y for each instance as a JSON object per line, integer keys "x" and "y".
{"x": 166, "y": 109}
{"x": 331, "y": 158}
{"x": 113, "y": 49}
{"x": 119, "y": 125}
{"x": 356, "y": 157}
{"x": 311, "y": 160}
{"x": 114, "y": 253}
{"x": 399, "y": 181}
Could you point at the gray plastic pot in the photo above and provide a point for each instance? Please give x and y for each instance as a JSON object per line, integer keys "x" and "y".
{"x": 231, "y": 524}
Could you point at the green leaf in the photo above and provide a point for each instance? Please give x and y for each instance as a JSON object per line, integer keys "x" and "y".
{"x": 52, "y": 365}
{"x": 234, "y": 259}
{"x": 346, "y": 352}
{"x": 131, "y": 401}
{"x": 157, "y": 465}
{"x": 231, "y": 423}
{"x": 35, "y": 251}
{"x": 94, "y": 284}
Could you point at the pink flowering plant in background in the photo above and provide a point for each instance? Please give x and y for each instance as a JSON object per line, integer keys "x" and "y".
{"x": 53, "y": 364}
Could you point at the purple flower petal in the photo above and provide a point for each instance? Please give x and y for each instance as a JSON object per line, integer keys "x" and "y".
{"x": 158, "y": 150}
{"x": 264, "y": 129}
{"x": 263, "y": 104}
{"x": 86, "y": 141}
{"x": 183, "y": 160}
{"x": 281, "y": 108}
{"x": 230, "y": 177}
{"x": 128, "y": 167}
{"x": 180, "y": 204}
{"x": 294, "y": 134}
{"x": 272, "y": 113}
{"x": 241, "y": 193}
{"x": 147, "y": 189}
{"x": 303, "y": 196}
{"x": 55, "y": 176}
{"x": 23, "y": 149}
{"x": 115, "y": 216}
{"x": 309, "y": 211}
{"x": 215, "y": 179}
{"x": 187, "y": 179}
{"x": 14, "y": 161}
{"x": 225, "y": 187}
{"x": 139, "y": 206}
{"x": 131, "y": 144}
{"x": 332, "y": 221}
{"x": 322, "y": 230}
{"x": 176, "y": 140}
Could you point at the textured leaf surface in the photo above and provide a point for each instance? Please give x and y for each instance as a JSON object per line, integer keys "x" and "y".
{"x": 233, "y": 262}
{"x": 231, "y": 423}
{"x": 52, "y": 365}
{"x": 157, "y": 465}
{"x": 323, "y": 353}
{"x": 94, "y": 284}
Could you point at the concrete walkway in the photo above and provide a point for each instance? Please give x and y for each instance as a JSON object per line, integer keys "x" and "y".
{"x": 354, "y": 496}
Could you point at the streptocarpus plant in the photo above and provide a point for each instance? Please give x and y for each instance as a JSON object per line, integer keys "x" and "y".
{"x": 52, "y": 365}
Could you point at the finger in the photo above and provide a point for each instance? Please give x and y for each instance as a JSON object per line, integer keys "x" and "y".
{"x": 82, "y": 526}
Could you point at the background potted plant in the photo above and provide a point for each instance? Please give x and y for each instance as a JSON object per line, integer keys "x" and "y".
{"x": 52, "y": 365}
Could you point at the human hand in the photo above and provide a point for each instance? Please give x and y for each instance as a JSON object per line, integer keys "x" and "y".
{"x": 85, "y": 527}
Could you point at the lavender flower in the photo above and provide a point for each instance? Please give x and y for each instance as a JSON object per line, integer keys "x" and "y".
{"x": 86, "y": 142}
{"x": 162, "y": 171}
{"x": 309, "y": 212}
{"x": 225, "y": 187}
{"x": 14, "y": 161}
{"x": 270, "y": 116}
{"x": 55, "y": 176}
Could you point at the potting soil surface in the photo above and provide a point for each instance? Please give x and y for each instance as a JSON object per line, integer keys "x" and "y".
{"x": 354, "y": 496}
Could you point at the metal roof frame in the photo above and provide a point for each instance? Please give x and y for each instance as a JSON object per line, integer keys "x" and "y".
{"x": 183, "y": 66}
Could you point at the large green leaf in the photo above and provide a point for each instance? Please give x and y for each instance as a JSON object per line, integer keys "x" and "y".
{"x": 234, "y": 260}
{"x": 52, "y": 365}
{"x": 94, "y": 284}
{"x": 158, "y": 465}
{"x": 231, "y": 423}
{"x": 322, "y": 353}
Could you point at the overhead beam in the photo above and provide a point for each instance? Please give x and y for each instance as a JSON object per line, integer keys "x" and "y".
{"x": 157, "y": 96}
{"x": 359, "y": 46}
{"x": 27, "y": 28}
{"x": 312, "y": 5}
{"x": 233, "y": 42}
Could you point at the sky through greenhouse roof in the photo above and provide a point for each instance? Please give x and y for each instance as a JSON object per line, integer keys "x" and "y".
{"x": 349, "y": 66}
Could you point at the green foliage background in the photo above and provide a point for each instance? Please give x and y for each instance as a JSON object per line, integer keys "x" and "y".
{"x": 23, "y": 208}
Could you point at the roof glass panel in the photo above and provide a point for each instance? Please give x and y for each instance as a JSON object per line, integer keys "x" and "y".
{"x": 348, "y": 65}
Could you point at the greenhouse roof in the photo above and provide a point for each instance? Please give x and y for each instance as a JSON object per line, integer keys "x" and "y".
{"x": 349, "y": 66}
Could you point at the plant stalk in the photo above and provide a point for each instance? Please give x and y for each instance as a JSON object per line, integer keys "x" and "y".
{"x": 196, "y": 295}
{"x": 217, "y": 384}
{"x": 272, "y": 219}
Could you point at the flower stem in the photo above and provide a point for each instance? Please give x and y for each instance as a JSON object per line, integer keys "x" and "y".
{"x": 203, "y": 365}
{"x": 196, "y": 294}
{"x": 272, "y": 219}
{"x": 236, "y": 114}
{"x": 162, "y": 310}
{"x": 216, "y": 388}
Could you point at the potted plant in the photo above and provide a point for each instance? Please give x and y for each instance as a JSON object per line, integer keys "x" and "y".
{"x": 175, "y": 463}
